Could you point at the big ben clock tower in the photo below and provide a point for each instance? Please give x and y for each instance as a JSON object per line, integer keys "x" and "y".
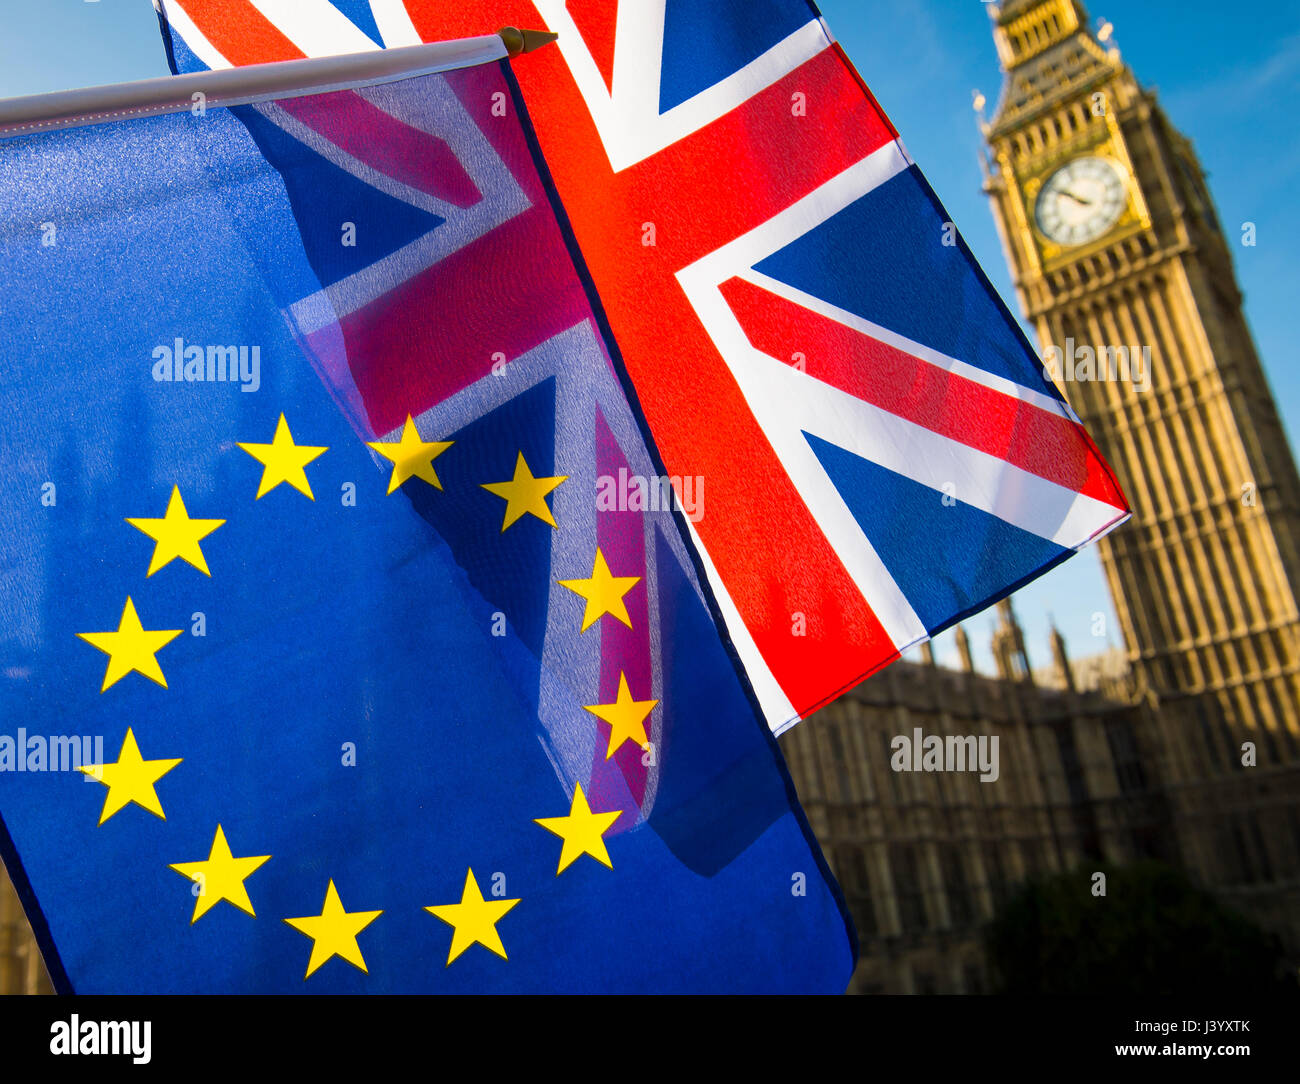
{"x": 1125, "y": 273}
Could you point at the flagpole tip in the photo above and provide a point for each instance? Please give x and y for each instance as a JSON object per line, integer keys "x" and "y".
{"x": 524, "y": 41}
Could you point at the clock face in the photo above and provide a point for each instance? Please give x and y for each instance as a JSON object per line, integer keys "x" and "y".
{"x": 1081, "y": 201}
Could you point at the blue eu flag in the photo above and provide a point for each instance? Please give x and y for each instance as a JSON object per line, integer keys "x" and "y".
{"x": 351, "y": 639}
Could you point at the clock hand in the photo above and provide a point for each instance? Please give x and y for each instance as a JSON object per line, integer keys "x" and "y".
{"x": 1077, "y": 199}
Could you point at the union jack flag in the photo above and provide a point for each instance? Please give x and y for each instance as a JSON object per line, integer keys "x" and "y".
{"x": 804, "y": 328}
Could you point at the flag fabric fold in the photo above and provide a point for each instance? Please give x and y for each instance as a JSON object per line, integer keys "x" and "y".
{"x": 353, "y": 636}
{"x": 810, "y": 340}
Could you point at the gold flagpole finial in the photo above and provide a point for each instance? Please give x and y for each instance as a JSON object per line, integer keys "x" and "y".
{"x": 524, "y": 41}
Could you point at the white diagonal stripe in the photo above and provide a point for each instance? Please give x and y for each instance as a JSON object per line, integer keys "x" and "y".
{"x": 394, "y": 23}
{"x": 778, "y": 712}
{"x": 628, "y": 120}
{"x": 316, "y": 27}
{"x": 181, "y": 23}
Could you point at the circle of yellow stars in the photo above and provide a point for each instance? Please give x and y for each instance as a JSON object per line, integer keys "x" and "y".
{"x": 221, "y": 876}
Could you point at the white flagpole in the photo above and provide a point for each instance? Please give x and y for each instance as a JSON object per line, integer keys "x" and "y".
{"x": 255, "y": 82}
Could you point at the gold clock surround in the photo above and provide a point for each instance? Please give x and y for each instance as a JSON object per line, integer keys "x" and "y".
{"x": 1101, "y": 140}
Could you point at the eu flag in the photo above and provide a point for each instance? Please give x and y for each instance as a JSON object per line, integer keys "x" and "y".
{"x": 330, "y": 665}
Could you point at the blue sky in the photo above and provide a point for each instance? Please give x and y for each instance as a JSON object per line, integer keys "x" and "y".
{"x": 1234, "y": 90}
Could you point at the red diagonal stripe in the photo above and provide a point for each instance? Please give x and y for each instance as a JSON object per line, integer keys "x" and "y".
{"x": 719, "y": 182}
{"x": 621, "y": 536}
{"x": 435, "y": 334}
{"x": 1028, "y": 437}
{"x": 386, "y": 144}
{"x": 239, "y": 32}
{"x": 596, "y": 21}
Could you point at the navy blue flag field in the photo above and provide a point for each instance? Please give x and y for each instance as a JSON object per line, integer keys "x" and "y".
{"x": 321, "y": 675}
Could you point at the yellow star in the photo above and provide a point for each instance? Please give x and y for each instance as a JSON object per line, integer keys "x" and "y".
{"x": 220, "y": 877}
{"x": 283, "y": 461}
{"x": 626, "y": 717}
{"x": 131, "y": 647}
{"x": 525, "y": 495}
{"x": 131, "y": 779}
{"x": 581, "y": 831}
{"x": 177, "y": 535}
{"x": 603, "y": 592}
{"x": 411, "y": 457}
{"x": 474, "y": 919}
{"x": 334, "y": 932}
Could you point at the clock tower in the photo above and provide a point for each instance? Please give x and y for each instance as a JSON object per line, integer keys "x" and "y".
{"x": 1126, "y": 274}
